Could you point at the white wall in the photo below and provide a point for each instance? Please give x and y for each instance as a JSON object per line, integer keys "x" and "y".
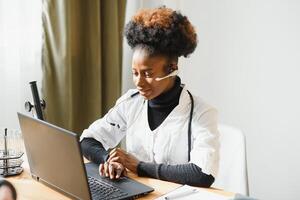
{"x": 20, "y": 56}
{"x": 247, "y": 64}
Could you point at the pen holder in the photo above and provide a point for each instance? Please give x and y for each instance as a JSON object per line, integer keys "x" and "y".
{"x": 11, "y": 151}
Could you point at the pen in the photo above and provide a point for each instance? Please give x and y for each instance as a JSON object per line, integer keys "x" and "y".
{"x": 181, "y": 194}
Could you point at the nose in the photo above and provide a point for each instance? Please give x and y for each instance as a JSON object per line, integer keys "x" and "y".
{"x": 139, "y": 81}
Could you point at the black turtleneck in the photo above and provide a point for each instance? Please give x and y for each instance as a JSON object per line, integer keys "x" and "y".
{"x": 160, "y": 107}
{"x": 158, "y": 110}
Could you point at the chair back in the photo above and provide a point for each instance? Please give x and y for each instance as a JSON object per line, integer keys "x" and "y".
{"x": 232, "y": 175}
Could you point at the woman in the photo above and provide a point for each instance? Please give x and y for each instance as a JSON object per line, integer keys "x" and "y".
{"x": 156, "y": 116}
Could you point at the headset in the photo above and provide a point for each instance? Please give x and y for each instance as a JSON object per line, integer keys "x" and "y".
{"x": 171, "y": 74}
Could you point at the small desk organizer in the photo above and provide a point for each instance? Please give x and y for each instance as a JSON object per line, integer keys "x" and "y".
{"x": 11, "y": 152}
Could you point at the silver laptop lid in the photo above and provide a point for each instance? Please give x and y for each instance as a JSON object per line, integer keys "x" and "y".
{"x": 54, "y": 156}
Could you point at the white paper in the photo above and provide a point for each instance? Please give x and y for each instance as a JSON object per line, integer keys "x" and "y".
{"x": 188, "y": 192}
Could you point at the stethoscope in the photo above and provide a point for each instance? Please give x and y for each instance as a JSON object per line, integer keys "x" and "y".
{"x": 174, "y": 73}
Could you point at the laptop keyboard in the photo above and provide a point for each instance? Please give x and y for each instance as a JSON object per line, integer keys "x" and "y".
{"x": 104, "y": 190}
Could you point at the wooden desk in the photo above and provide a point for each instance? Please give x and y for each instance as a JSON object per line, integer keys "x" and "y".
{"x": 29, "y": 189}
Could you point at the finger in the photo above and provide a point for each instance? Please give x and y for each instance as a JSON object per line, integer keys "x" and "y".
{"x": 115, "y": 154}
{"x": 101, "y": 168}
{"x": 111, "y": 171}
{"x": 118, "y": 172}
{"x": 106, "y": 169}
{"x": 113, "y": 151}
{"x": 118, "y": 168}
{"x": 116, "y": 159}
{"x": 116, "y": 150}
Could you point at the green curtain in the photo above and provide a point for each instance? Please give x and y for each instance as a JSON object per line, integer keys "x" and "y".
{"x": 81, "y": 60}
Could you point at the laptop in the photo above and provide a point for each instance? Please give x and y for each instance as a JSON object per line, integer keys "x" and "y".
{"x": 55, "y": 159}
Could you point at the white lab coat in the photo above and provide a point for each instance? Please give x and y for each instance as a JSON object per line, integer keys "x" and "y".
{"x": 168, "y": 143}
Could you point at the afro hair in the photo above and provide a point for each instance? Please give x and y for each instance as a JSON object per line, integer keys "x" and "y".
{"x": 162, "y": 31}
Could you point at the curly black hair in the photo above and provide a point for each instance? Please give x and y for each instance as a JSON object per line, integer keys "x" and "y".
{"x": 161, "y": 31}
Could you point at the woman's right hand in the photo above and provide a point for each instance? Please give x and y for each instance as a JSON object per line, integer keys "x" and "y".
{"x": 113, "y": 170}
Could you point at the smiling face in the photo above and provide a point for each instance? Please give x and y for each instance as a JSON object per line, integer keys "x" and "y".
{"x": 146, "y": 68}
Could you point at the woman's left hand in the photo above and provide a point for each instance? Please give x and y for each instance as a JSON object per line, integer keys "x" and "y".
{"x": 126, "y": 159}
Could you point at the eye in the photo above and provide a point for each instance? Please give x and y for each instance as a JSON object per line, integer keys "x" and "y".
{"x": 148, "y": 74}
{"x": 134, "y": 73}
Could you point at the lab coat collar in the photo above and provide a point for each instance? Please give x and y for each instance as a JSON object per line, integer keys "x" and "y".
{"x": 183, "y": 106}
